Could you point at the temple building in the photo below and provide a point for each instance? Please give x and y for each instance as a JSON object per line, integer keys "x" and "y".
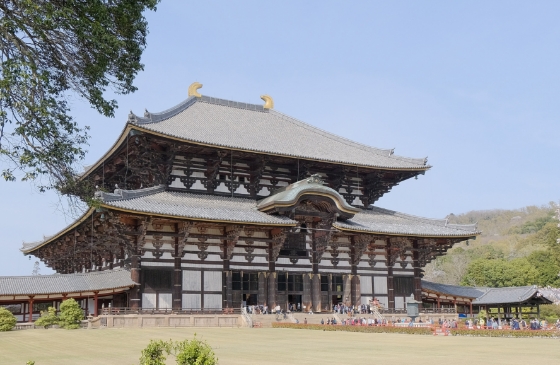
{"x": 216, "y": 204}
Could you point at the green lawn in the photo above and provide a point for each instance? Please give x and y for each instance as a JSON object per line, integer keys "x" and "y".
{"x": 273, "y": 346}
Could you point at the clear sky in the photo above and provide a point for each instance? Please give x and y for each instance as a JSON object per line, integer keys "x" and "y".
{"x": 473, "y": 85}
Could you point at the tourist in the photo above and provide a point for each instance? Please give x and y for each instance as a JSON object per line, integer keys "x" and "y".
{"x": 322, "y": 321}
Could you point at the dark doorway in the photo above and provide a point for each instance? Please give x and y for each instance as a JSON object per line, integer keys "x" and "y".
{"x": 295, "y": 301}
{"x": 336, "y": 299}
{"x": 250, "y": 299}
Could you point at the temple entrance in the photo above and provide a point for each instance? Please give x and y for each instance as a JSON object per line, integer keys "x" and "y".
{"x": 336, "y": 299}
{"x": 250, "y": 299}
{"x": 294, "y": 302}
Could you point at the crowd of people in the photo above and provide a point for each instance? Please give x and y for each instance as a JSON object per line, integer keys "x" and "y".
{"x": 514, "y": 324}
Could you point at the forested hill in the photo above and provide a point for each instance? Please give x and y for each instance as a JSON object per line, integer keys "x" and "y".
{"x": 516, "y": 247}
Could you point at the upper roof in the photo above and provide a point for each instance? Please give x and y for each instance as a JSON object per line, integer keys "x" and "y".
{"x": 65, "y": 283}
{"x": 453, "y": 290}
{"x": 385, "y": 221}
{"x": 248, "y": 127}
{"x": 518, "y": 294}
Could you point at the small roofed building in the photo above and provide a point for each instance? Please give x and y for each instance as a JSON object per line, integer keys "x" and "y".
{"x": 443, "y": 298}
{"x": 27, "y": 296}
{"x": 502, "y": 303}
{"x": 509, "y": 302}
{"x": 217, "y": 204}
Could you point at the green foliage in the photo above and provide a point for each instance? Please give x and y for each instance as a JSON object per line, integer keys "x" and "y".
{"x": 499, "y": 273}
{"x": 195, "y": 352}
{"x": 516, "y": 247}
{"x": 7, "y": 320}
{"x": 482, "y": 314}
{"x": 48, "y": 50}
{"x": 533, "y": 226}
{"x": 47, "y": 318}
{"x": 30, "y": 362}
{"x": 70, "y": 314}
{"x": 550, "y": 312}
{"x": 155, "y": 353}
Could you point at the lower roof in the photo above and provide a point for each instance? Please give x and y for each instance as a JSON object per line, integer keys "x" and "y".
{"x": 453, "y": 290}
{"x": 518, "y": 294}
{"x": 65, "y": 283}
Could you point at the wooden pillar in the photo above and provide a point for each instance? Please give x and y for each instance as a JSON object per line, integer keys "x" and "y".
{"x": 538, "y": 312}
{"x": 227, "y": 294}
{"x": 455, "y": 304}
{"x": 30, "y": 303}
{"x": 135, "y": 296}
{"x": 470, "y": 305}
{"x": 417, "y": 273}
{"x": 347, "y": 289}
{"x": 272, "y": 279}
{"x": 262, "y": 295}
{"x": 390, "y": 281}
{"x": 316, "y": 292}
{"x": 176, "y": 295}
{"x": 307, "y": 292}
{"x": 355, "y": 290}
{"x": 95, "y": 304}
{"x": 438, "y": 303}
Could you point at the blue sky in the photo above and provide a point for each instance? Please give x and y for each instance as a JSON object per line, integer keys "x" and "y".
{"x": 472, "y": 85}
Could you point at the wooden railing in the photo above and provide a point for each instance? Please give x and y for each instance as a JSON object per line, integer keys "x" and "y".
{"x": 187, "y": 311}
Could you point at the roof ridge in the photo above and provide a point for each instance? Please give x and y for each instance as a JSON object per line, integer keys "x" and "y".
{"x": 122, "y": 194}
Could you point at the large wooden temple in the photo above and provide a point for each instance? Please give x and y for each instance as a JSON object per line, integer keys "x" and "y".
{"x": 214, "y": 204}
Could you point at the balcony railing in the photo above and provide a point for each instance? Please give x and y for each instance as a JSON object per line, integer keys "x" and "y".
{"x": 165, "y": 311}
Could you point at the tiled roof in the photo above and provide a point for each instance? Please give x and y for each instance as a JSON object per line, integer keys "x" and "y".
{"x": 453, "y": 290}
{"x": 518, "y": 294}
{"x": 249, "y": 127}
{"x": 65, "y": 283}
{"x": 379, "y": 220}
{"x": 193, "y": 206}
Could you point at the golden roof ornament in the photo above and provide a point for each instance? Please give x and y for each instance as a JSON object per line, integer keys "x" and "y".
{"x": 268, "y": 102}
{"x": 193, "y": 89}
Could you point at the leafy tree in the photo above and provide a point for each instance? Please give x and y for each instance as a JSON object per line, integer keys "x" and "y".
{"x": 47, "y": 318}
{"x": 550, "y": 311}
{"x": 49, "y": 50}
{"x": 155, "y": 352}
{"x": 500, "y": 273}
{"x": 70, "y": 314}
{"x": 547, "y": 265}
{"x": 195, "y": 352}
{"x": 7, "y": 320}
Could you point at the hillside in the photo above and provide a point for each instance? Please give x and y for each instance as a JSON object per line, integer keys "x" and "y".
{"x": 516, "y": 247}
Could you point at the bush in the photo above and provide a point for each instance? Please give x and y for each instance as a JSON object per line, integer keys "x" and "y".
{"x": 7, "y": 320}
{"x": 47, "y": 319}
{"x": 193, "y": 352}
{"x": 363, "y": 329}
{"x": 70, "y": 314}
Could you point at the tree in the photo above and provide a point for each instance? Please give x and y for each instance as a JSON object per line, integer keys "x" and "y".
{"x": 195, "y": 352}
{"x": 70, "y": 314}
{"x": 499, "y": 273}
{"x": 47, "y": 318}
{"x": 49, "y": 50}
{"x": 7, "y": 320}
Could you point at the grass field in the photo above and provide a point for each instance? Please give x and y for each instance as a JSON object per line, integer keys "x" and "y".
{"x": 273, "y": 346}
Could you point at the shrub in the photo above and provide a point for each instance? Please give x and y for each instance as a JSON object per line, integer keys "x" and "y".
{"x": 154, "y": 353}
{"x": 70, "y": 314}
{"x": 195, "y": 352}
{"x": 48, "y": 318}
{"x": 7, "y": 320}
